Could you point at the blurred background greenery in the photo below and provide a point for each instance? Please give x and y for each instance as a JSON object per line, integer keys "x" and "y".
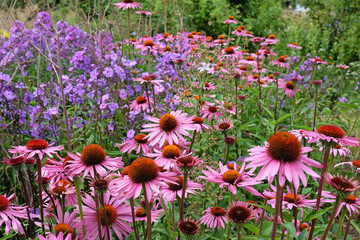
{"x": 327, "y": 28}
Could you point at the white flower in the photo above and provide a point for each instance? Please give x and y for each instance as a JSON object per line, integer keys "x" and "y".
{"x": 204, "y": 67}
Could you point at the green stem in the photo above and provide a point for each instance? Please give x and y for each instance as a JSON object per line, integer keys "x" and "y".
{"x": 321, "y": 183}
{"x": 333, "y": 215}
{"x": 78, "y": 196}
{"x": 132, "y": 204}
{"x": 342, "y": 217}
{"x": 186, "y": 174}
{"x": 228, "y": 226}
{"x": 277, "y": 210}
{"x": 167, "y": 218}
{"x": 148, "y": 213}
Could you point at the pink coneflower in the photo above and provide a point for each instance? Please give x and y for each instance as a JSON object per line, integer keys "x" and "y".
{"x": 248, "y": 34}
{"x": 148, "y": 79}
{"x": 140, "y": 143}
{"x": 230, "y": 20}
{"x": 188, "y": 161}
{"x": 355, "y": 164}
{"x": 199, "y": 124}
{"x": 341, "y": 183}
{"x": 224, "y": 125}
{"x": 116, "y": 213}
{"x": 270, "y": 40}
{"x": 342, "y": 66}
{"x": 288, "y": 88}
{"x": 188, "y": 226}
{"x": 15, "y": 161}
{"x": 143, "y": 13}
{"x": 148, "y": 45}
{"x": 351, "y": 203}
{"x": 211, "y": 112}
{"x": 299, "y": 133}
{"x": 141, "y": 104}
{"x": 280, "y": 62}
{"x": 250, "y": 60}
{"x": 64, "y": 224}
{"x": 171, "y": 126}
{"x": 175, "y": 189}
{"x": 231, "y": 178}
{"x": 166, "y": 157}
{"x": 257, "y": 39}
{"x": 141, "y": 171}
{"x": 214, "y": 217}
{"x": 9, "y": 214}
{"x": 209, "y": 86}
{"x": 331, "y": 133}
{"x": 338, "y": 150}
{"x": 294, "y": 45}
{"x": 282, "y": 154}
{"x": 167, "y": 37}
{"x": 318, "y": 60}
{"x": 288, "y": 200}
{"x": 240, "y": 212}
{"x": 37, "y": 147}
{"x": 61, "y": 236}
{"x": 92, "y": 158}
{"x": 62, "y": 189}
{"x": 140, "y": 214}
{"x": 125, "y": 4}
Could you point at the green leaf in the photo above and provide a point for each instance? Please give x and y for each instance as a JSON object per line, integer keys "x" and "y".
{"x": 316, "y": 214}
{"x": 356, "y": 226}
{"x": 303, "y": 234}
{"x": 291, "y": 228}
{"x": 252, "y": 228}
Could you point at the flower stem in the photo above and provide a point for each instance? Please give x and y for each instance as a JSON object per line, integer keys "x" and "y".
{"x": 167, "y": 218}
{"x": 277, "y": 210}
{"x": 228, "y": 226}
{"x": 321, "y": 183}
{"x": 333, "y": 215}
{"x": 316, "y": 98}
{"x": 239, "y": 227}
{"x": 38, "y": 165}
{"x": 186, "y": 174}
{"x": 276, "y": 102}
{"x": 133, "y": 217}
{"x": 105, "y": 216}
{"x": 153, "y": 92}
{"x": 347, "y": 227}
{"x": 147, "y": 95}
{"x": 342, "y": 217}
{"x": 148, "y": 213}
{"x": 79, "y": 200}
{"x": 192, "y": 141}
{"x": 98, "y": 214}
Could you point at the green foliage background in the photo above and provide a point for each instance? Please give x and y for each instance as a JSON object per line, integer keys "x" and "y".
{"x": 330, "y": 28}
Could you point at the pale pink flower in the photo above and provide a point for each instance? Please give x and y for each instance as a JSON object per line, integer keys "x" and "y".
{"x": 331, "y": 133}
{"x": 125, "y": 4}
{"x": 230, "y": 20}
{"x": 141, "y": 104}
{"x": 10, "y": 214}
{"x": 211, "y": 112}
{"x": 282, "y": 154}
{"x": 231, "y": 178}
{"x": 341, "y": 183}
{"x": 342, "y": 66}
{"x": 318, "y": 60}
{"x": 214, "y": 217}
{"x": 355, "y": 164}
{"x": 37, "y": 147}
{"x": 173, "y": 190}
{"x": 92, "y": 160}
{"x": 294, "y": 45}
{"x": 280, "y": 62}
{"x": 240, "y": 212}
{"x": 141, "y": 171}
{"x": 199, "y": 124}
{"x": 117, "y": 212}
{"x": 171, "y": 127}
{"x": 288, "y": 88}
{"x": 140, "y": 143}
